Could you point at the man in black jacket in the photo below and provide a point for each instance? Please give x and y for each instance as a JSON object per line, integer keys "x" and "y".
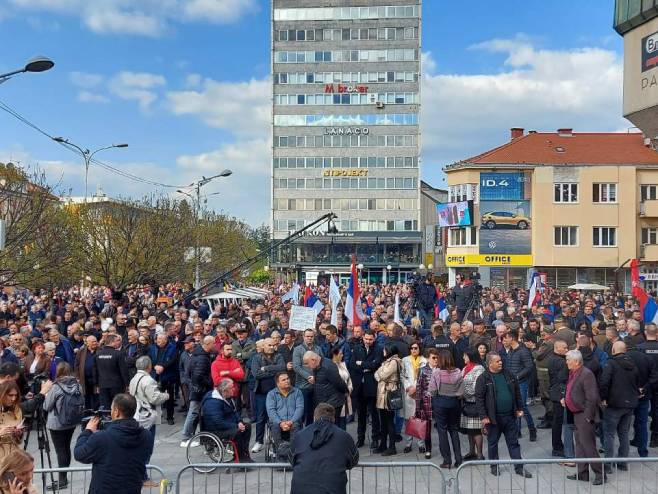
{"x": 648, "y": 374}
{"x": 366, "y": 358}
{"x": 118, "y": 453}
{"x": 650, "y": 348}
{"x": 321, "y": 454}
{"x": 518, "y": 360}
{"x": 426, "y": 298}
{"x": 329, "y": 386}
{"x": 201, "y": 382}
{"x": 558, "y": 374}
{"x": 110, "y": 371}
{"x": 620, "y": 391}
{"x": 498, "y": 400}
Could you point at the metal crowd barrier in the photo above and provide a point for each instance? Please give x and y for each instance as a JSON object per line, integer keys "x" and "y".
{"x": 275, "y": 478}
{"x": 549, "y": 476}
{"x": 79, "y": 479}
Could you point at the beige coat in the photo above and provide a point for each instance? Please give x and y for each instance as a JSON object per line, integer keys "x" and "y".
{"x": 387, "y": 379}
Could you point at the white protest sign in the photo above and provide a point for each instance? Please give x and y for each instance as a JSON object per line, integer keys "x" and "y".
{"x": 302, "y": 318}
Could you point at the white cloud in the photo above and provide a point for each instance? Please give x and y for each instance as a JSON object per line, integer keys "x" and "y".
{"x": 240, "y": 107}
{"x": 463, "y": 115}
{"x": 86, "y": 79}
{"x": 138, "y": 86}
{"x": 141, "y": 17}
{"x": 192, "y": 80}
{"x": 90, "y": 97}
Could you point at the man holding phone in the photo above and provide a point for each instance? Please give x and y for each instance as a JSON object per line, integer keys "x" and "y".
{"x": 499, "y": 404}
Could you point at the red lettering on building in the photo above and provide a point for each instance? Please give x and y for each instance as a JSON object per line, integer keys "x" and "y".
{"x": 343, "y": 88}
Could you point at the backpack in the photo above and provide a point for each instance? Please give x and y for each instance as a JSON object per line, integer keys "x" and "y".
{"x": 71, "y": 407}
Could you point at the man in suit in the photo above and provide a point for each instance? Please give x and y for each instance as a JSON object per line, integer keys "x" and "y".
{"x": 364, "y": 361}
{"x": 581, "y": 399}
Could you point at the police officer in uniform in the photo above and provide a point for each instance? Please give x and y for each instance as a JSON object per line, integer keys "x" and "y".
{"x": 650, "y": 347}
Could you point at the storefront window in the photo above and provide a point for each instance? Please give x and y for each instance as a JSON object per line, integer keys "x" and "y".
{"x": 565, "y": 278}
{"x": 369, "y": 253}
{"x": 591, "y": 275}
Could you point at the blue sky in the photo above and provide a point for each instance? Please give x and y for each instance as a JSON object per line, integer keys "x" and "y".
{"x": 185, "y": 83}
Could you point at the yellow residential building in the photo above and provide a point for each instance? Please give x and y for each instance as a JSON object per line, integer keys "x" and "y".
{"x": 575, "y": 206}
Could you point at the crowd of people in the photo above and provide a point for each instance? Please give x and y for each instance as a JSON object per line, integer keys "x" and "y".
{"x": 238, "y": 370}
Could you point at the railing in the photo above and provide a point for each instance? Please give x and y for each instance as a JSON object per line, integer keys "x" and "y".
{"x": 79, "y": 479}
{"x": 275, "y": 478}
{"x": 550, "y": 476}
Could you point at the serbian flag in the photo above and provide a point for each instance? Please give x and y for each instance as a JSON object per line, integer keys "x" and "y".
{"x": 441, "y": 309}
{"x": 534, "y": 295}
{"x": 648, "y": 305}
{"x": 313, "y": 301}
{"x": 307, "y": 295}
{"x": 353, "y": 309}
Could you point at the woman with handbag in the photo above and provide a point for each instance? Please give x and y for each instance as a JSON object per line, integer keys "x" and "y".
{"x": 446, "y": 388}
{"x": 424, "y": 400}
{"x": 389, "y": 397}
{"x": 470, "y": 420}
{"x": 413, "y": 364}
{"x": 149, "y": 398}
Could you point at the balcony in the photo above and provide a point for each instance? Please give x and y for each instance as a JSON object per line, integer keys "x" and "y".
{"x": 649, "y": 252}
{"x": 649, "y": 209}
{"x": 632, "y": 13}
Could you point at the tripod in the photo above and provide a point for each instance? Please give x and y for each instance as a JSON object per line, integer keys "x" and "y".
{"x": 38, "y": 421}
{"x": 474, "y": 305}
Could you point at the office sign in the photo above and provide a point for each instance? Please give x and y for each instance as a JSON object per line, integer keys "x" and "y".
{"x": 461, "y": 260}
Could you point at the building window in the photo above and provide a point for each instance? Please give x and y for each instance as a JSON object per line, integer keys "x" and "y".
{"x": 604, "y": 193}
{"x": 346, "y": 13}
{"x": 462, "y": 237}
{"x": 347, "y": 120}
{"x": 566, "y": 192}
{"x": 650, "y": 236}
{"x": 565, "y": 236}
{"x": 462, "y": 192}
{"x": 648, "y": 192}
{"x": 604, "y": 236}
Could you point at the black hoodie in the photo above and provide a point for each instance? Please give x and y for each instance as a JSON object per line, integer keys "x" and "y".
{"x": 590, "y": 361}
{"x": 320, "y": 456}
{"x": 621, "y": 375}
{"x": 118, "y": 454}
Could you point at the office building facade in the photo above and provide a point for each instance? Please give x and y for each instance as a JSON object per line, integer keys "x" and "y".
{"x": 575, "y": 207}
{"x": 345, "y": 131}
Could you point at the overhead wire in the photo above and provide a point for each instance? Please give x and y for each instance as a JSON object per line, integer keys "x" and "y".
{"x": 101, "y": 164}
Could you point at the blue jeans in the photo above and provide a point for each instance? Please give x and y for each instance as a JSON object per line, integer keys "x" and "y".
{"x": 568, "y": 431}
{"x": 261, "y": 416}
{"x": 523, "y": 387}
{"x": 505, "y": 425}
{"x": 616, "y": 421}
{"x": 192, "y": 419}
{"x": 425, "y": 317}
{"x": 641, "y": 426}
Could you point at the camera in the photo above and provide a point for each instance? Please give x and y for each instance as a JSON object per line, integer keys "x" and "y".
{"x": 104, "y": 415}
{"x": 474, "y": 276}
{"x": 34, "y": 385}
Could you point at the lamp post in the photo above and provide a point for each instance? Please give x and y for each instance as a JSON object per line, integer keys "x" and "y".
{"x": 36, "y": 64}
{"x": 197, "y": 192}
{"x": 87, "y": 155}
{"x": 360, "y": 268}
{"x": 388, "y": 273}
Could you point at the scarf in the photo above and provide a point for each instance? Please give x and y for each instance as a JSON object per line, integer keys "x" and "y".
{"x": 468, "y": 368}
{"x": 415, "y": 365}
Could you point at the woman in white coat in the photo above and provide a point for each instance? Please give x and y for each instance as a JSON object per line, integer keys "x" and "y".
{"x": 412, "y": 365}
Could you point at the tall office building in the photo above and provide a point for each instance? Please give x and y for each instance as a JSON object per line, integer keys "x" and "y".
{"x": 346, "y": 102}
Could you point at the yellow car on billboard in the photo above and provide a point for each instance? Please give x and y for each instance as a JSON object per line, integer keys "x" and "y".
{"x": 504, "y": 218}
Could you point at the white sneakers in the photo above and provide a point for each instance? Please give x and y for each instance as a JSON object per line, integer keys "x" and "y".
{"x": 184, "y": 444}
{"x": 257, "y": 448}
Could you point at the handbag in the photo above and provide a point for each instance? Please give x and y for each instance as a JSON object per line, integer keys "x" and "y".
{"x": 144, "y": 415}
{"x": 394, "y": 398}
{"x": 416, "y": 427}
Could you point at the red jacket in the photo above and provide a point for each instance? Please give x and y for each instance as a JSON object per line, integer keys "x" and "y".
{"x": 236, "y": 372}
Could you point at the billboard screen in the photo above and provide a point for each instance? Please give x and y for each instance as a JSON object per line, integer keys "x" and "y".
{"x": 455, "y": 213}
{"x": 505, "y": 227}
{"x": 502, "y": 186}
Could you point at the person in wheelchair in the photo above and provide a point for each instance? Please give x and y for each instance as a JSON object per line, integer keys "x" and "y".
{"x": 220, "y": 415}
{"x": 285, "y": 411}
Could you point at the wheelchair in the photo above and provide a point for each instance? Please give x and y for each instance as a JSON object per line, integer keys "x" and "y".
{"x": 208, "y": 447}
{"x": 268, "y": 444}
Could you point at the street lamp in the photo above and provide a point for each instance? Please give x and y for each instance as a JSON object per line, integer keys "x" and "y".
{"x": 197, "y": 190}
{"x": 87, "y": 155}
{"x": 36, "y": 64}
{"x": 421, "y": 267}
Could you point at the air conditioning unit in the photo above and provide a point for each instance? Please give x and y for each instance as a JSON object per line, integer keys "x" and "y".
{"x": 380, "y": 105}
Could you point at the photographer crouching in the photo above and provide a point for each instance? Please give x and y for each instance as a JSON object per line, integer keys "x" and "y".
{"x": 118, "y": 453}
